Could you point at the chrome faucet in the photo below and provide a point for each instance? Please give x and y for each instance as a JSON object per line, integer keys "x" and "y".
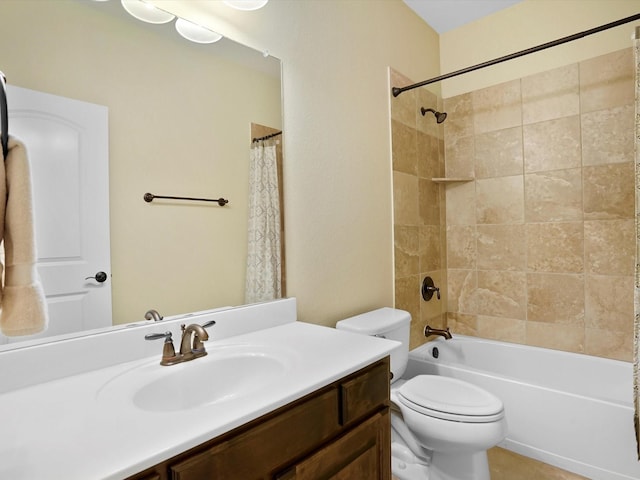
{"x": 153, "y": 315}
{"x": 428, "y": 331}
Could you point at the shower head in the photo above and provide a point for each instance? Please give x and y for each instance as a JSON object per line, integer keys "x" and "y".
{"x": 440, "y": 116}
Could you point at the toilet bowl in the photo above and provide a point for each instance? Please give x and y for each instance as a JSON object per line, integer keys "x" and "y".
{"x": 441, "y": 426}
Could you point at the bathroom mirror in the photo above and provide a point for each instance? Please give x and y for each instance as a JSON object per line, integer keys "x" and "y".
{"x": 180, "y": 117}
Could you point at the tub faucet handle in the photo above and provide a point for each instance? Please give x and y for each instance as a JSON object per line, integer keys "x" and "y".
{"x": 429, "y": 288}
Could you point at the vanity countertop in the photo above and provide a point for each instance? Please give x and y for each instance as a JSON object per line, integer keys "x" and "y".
{"x": 81, "y": 427}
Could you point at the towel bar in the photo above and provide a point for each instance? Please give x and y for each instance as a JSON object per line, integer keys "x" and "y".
{"x": 148, "y": 197}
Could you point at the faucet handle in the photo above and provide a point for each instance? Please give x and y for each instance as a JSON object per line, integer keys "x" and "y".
{"x": 429, "y": 288}
{"x": 169, "y": 356}
{"x": 157, "y": 336}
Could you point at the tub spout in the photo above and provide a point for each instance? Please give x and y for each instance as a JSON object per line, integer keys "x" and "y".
{"x": 428, "y": 331}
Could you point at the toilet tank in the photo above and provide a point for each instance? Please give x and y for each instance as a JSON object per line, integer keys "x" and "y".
{"x": 385, "y": 322}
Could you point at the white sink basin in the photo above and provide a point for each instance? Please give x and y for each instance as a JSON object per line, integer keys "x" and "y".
{"x": 227, "y": 373}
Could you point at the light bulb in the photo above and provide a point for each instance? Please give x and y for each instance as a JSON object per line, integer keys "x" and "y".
{"x": 146, "y": 12}
{"x": 246, "y": 4}
{"x": 196, "y": 33}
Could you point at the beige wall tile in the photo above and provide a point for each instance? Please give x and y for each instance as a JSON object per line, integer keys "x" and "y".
{"x": 553, "y": 196}
{"x": 405, "y": 295}
{"x": 459, "y": 155}
{"x": 551, "y": 94}
{"x": 609, "y": 303}
{"x": 503, "y": 329}
{"x": 609, "y": 344}
{"x": 429, "y": 202}
{"x": 461, "y": 289}
{"x": 428, "y": 164}
{"x": 609, "y": 191}
{"x": 501, "y": 294}
{"x": 501, "y": 247}
{"x": 406, "y": 250}
{"x": 499, "y": 153}
{"x": 609, "y": 246}
{"x": 500, "y": 200}
{"x": 430, "y": 248}
{"x": 461, "y": 203}
{"x": 460, "y": 117}
{"x": 569, "y": 338}
{"x": 555, "y": 298}
{"x": 605, "y": 136}
{"x": 404, "y": 148}
{"x": 552, "y": 145}
{"x": 405, "y": 199}
{"x": 555, "y": 247}
{"x": 497, "y": 107}
{"x": 552, "y": 203}
{"x": 462, "y": 323}
{"x": 461, "y": 247}
{"x": 607, "y": 81}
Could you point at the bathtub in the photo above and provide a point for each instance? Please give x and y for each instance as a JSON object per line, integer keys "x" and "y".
{"x": 568, "y": 410}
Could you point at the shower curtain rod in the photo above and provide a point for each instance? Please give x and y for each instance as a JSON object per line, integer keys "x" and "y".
{"x": 266, "y": 137}
{"x": 398, "y": 90}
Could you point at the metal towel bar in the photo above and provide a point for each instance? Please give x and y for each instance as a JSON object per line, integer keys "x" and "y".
{"x": 148, "y": 197}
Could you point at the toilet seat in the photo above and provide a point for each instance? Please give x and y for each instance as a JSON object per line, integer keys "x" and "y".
{"x": 450, "y": 399}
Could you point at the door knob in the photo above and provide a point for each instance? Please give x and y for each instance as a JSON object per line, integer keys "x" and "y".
{"x": 99, "y": 277}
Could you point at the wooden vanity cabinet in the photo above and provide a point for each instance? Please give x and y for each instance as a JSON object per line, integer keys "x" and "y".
{"x": 340, "y": 432}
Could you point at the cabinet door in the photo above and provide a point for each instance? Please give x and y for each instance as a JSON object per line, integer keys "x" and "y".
{"x": 266, "y": 447}
{"x": 362, "y": 453}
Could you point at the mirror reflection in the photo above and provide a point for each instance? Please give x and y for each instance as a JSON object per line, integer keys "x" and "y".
{"x": 176, "y": 119}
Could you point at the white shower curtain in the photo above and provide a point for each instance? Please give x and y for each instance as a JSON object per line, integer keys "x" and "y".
{"x": 636, "y": 343}
{"x": 264, "y": 269}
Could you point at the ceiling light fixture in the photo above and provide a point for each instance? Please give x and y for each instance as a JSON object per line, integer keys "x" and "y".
{"x": 246, "y": 4}
{"x": 146, "y": 12}
{"x": 196, "y": 33}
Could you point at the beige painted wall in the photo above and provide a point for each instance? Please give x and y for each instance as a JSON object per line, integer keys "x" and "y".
{"x": 528, "y": 24}
{"x": 179, "y": 120}
{"x": 337, "y": 149}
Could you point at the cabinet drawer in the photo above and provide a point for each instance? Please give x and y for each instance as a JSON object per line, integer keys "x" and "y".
{"x": 362, "y": 453}
{"x": 366, "y": 392}
{"x": 266, "y": 447}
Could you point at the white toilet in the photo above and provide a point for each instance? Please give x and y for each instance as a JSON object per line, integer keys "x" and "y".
{"x": 445, "y": 425}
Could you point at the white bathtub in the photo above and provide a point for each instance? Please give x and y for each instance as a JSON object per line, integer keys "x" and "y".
{"x": 569, "y": 410}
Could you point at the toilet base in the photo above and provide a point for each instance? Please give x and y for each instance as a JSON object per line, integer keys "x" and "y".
{"x": 468, "y": 466}
{"x": 405, "y": 465}
{"x": 441, "y": 466}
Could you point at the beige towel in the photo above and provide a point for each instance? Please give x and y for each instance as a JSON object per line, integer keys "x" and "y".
{"x": 24, "y": 308}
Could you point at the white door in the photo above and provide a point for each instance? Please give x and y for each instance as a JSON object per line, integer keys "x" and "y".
{"x": 67, "y": 142}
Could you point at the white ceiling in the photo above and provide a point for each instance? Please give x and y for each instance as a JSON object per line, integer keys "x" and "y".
{"x": 445, "y": 15}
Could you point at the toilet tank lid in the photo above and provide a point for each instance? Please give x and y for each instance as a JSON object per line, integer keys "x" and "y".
{"x": 375, "y": 322}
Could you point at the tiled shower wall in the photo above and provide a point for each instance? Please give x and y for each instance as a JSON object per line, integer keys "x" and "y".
{"x": 537, "y": 246}
{"x": 541, "y": 244}
{"x": 418, "y": 206}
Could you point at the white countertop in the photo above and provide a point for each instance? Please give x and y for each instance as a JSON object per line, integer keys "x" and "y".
{"x": 65, "y": 429}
